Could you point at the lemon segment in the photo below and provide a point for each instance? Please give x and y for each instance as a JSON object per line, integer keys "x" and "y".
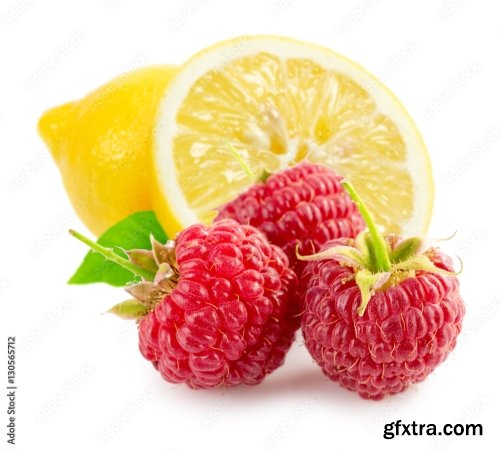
{"x": 278, "y": 101}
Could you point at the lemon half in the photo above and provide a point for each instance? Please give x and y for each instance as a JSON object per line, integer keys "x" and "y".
{"x": 278, "y": 101}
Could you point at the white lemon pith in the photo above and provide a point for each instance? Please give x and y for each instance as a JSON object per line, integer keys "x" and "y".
{"x": 278, "y": 101}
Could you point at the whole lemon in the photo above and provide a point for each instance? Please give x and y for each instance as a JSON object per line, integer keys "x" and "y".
{"x": 102, "y": 145}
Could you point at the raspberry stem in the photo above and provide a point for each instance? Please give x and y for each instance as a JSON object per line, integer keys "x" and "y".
{"x": 378, "y": 244}
{"x": 113, "y": 257}
{"x": 244, "y": 165}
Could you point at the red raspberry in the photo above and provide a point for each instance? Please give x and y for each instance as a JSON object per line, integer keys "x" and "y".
{"x": 413, "y": 312}
{"x": 229, "y": 319}
{"x": 303, "y": 205}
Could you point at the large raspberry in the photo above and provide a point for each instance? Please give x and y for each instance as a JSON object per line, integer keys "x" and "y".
{"x": 380, "y": 314}
{"x": 303, "y": 205}
{"x": 220, "y": 311}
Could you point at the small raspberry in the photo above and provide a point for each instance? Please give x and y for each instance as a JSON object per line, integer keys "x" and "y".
{"x": 218, "y": 308}
{"x": 379, "y": 314}
{"x": 303, "y": 205}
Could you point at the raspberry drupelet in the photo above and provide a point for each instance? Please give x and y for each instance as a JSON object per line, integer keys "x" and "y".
{"x": 303, "y": 205}
{"x": 380, "y": 313}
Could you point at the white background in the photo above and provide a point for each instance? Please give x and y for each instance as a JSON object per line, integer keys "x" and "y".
{"x": 82, "y": 382}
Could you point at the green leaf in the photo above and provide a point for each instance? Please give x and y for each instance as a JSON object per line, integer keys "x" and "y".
{"x": 131, "y": 233}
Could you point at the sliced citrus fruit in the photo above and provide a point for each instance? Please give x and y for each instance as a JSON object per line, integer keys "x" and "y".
{"x": 278, "y": 101}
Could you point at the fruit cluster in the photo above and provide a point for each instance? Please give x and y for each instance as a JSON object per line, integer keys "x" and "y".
{"x": 220, "y": 304}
